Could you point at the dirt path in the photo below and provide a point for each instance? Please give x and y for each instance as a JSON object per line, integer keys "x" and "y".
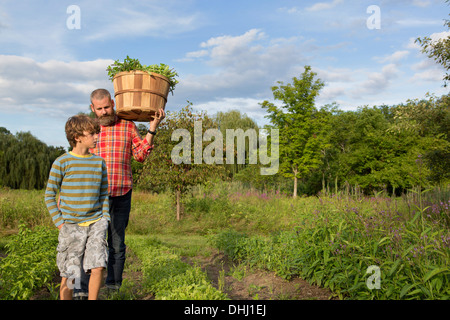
{"x": 242, "y": 283}
{"x": 238, "y": 281}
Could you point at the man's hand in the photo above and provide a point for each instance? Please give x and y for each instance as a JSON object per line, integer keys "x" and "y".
{"x": 159, "y": 116}
{"x": 154, "y": 123}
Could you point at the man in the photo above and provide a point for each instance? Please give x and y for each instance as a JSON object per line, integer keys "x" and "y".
{"x": 118, "y": 141}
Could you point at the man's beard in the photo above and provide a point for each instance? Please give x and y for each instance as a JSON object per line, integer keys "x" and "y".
{"x": 107, "y": 120}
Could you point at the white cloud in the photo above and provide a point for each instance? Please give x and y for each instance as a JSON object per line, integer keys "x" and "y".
{"x": 324, "y": 5}
{"x": 427, "y": 75}
{"x": 440, "y": 35}
{"x": 157, "y": 19}
{"x": 395, "y": 57}
{"x": 249, "y": 106}
{"x": 329, "y": 94}
{"x": 245, "y": 65}
{"x": 335, "y": 74}
{"x": 421, "y": 3}
{"x": 377, "y": 82}
{"x": 52, "y": 87}
{"x": 418, "y": 22}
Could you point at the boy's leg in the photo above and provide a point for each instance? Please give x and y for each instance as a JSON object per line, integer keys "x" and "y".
{"x": 64, "y": 292}
{"x": 95, "y": 282}
{"x": 71, "y": 244}
{"x": 96, "y": 256}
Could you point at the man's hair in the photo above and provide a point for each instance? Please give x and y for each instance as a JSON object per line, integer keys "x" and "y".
{"x": 77, "y": 125}
{"x": 99, "y": 94}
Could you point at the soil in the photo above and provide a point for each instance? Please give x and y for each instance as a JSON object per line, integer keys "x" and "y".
{"x": 239, "y": 282}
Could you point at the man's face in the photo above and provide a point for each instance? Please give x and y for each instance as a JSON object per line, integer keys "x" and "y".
{"x": 104, "y": 110}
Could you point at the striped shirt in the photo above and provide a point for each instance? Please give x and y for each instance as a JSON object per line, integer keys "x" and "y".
{"x": 117, "y": 144}
{"x": 82, "y": 183}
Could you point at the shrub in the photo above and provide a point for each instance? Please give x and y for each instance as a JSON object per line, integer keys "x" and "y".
{"x": 30, "y": 263}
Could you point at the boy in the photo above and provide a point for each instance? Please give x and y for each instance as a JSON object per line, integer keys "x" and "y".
{"x": 82, "y": 214}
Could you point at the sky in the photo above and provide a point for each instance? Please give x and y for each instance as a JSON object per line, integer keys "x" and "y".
{"x": 228, "y": 54}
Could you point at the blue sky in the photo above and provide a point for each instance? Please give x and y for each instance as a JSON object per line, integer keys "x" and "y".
{"x": 227, "y": 53}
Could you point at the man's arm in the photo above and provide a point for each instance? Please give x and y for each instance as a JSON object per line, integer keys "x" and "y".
{"x": 143, "y": 147}
{"x": 159, "y": 116}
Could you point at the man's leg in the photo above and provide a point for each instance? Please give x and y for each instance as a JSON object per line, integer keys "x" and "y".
{"x": 120, "y": 213}
{"x": 80, "y": 291}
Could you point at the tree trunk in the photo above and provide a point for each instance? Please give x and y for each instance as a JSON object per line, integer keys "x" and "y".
{"x": 178, "y": 205}
{"x": 295, "y": 183}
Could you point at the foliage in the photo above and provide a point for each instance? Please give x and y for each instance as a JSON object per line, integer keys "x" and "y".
{"x": 302, "y": 127}
{"x": 233, "y": 119}
{"x": 169, "y": 278}
{"x": 380, "y": 148}
{"x": 160, "y": 171}
{"x": 334, "y": 248}
{"x": 23, "y": 205}
{"x": 25, "y": 161}
{"x": 130, "y": 64}
{"x": 438, "y": 50}
{"x": 30, "y": 263}
{"x": 330, "y": 240}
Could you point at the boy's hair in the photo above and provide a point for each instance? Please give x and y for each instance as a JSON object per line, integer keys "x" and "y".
{"x": 76, "y": 125}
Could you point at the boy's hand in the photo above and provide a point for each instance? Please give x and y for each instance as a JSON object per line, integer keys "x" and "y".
{"x": 60, "y": 226}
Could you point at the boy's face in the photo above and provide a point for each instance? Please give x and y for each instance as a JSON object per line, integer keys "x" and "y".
{"x": 87, "y": 140}
{"x": 104, "y": 110}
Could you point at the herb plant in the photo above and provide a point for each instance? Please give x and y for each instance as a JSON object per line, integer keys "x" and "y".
{"x": 130, "y": 64}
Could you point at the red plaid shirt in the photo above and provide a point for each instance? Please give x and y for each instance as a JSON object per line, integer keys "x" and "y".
{"x": 117, "y": 144}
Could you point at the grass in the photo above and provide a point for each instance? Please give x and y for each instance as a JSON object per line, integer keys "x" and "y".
{"x": 167, "y": 276}
{"x": 25, "y": 206}
{"x": 329, "y": 240}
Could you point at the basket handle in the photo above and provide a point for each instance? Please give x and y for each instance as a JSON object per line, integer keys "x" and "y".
{"x": 141, "y": 90}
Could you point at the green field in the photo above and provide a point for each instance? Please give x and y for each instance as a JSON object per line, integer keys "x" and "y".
{"x": 330, "y": 241}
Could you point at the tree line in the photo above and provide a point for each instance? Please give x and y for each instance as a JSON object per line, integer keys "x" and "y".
{"x": 25, "y": 161}
{"x": 390, "y": 148}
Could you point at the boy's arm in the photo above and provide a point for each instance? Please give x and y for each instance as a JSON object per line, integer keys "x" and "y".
{"x": 53, "y": 186}
{"x": 104, "y": 198}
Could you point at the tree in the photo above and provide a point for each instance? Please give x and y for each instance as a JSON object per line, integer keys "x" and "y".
{"x": 380, "y": 148}
{"x": 439, "y": 50}
{"x": 233, "y": 119}
{"x": 429, "y": 119}
{"x": 25, "y": 161}
{"x": 162, "y": 169}
{"x": 302, "y": 127}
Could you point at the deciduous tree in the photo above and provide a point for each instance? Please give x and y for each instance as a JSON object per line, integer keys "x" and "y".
{"x": 301, "y": 125}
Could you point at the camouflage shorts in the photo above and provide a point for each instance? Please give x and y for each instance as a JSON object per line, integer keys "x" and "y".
{"x": 82, "y": 245}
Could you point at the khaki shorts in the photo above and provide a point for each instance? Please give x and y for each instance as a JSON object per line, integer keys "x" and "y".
{"x": 82, "y": 246}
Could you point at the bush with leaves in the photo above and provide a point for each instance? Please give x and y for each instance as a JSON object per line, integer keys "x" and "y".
{"x": 30, "y": 263}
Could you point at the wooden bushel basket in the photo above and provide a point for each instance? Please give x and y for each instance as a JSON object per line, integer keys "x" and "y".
{"x": 139, "y": 94}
